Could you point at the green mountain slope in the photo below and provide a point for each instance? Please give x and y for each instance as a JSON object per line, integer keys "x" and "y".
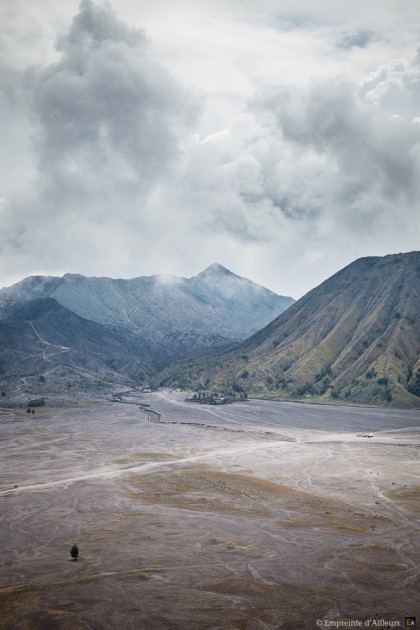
{"x": 355, "y": 338}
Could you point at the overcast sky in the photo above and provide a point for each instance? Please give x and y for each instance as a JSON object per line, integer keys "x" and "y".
{"x": 280, "y": 138}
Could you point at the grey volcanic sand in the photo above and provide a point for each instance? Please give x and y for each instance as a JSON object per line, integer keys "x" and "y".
{"x": 251, "y": 515}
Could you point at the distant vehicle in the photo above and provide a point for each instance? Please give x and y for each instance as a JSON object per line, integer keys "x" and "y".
{"x": 365, "y": 435}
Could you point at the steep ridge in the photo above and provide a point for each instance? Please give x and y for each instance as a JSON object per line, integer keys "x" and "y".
{"x": 354, "y": 338}
{"x": 41, "y": 337}
{"x": 215, "y": 302}
{"x": 41, "y": 334}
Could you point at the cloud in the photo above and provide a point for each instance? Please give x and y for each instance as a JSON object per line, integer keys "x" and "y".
{"x": 109, "y": 116}
{"x": 281, "y": 143}
{"x": 358, "y": 39}
{"x": 307, "y": 175}
{"x": 395, "y": 87}
{"x": 107, "y": 124}
{"x": 369, "y": 157}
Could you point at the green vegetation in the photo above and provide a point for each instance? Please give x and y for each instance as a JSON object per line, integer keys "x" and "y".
{"x": 370, "y": 374}
{"x": 37, "y": 402}
{"x": 213, "y": 398}
{"x": 324, "y": 372}
{"x": 74, "y": 552}
{"x": 325, "y": 385}
{"x": 352, "y": 340}
{"x": 307, "y": 388}
{"x": 414, "y": 386}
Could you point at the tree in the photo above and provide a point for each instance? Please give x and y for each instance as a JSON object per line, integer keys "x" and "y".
{"x": 37, "y": 402}
{"x": 74, "y": 552}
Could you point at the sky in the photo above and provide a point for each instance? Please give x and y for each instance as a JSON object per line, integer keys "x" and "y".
{"x": 279, "y": 138}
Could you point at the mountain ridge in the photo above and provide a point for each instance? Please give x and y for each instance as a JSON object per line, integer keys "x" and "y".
{"x": 353, "y": 338}
{"x": 41, "y": 335}
{"x": 214, "y": 302}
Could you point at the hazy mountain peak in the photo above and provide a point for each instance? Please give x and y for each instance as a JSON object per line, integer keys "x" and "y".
{"x": 215, "y": 269}
{"x": 354, "y": 338}
{"x": 166, "y": 279}
{"x": 215, "y": 302}
{"x": 34, "y": 286}
{"x": 73, "y": 276}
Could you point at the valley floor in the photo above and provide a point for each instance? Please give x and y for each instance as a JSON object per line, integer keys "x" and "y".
{"x": 255, "y": 515}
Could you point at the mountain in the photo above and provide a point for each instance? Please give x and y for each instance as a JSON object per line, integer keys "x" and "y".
{"x": 41, "y": 335}
{"x": 354, "y": 338}
{"x": 216, "y": 302}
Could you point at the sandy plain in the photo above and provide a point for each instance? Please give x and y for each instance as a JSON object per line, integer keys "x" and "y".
{"x": 255, "y": 515}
